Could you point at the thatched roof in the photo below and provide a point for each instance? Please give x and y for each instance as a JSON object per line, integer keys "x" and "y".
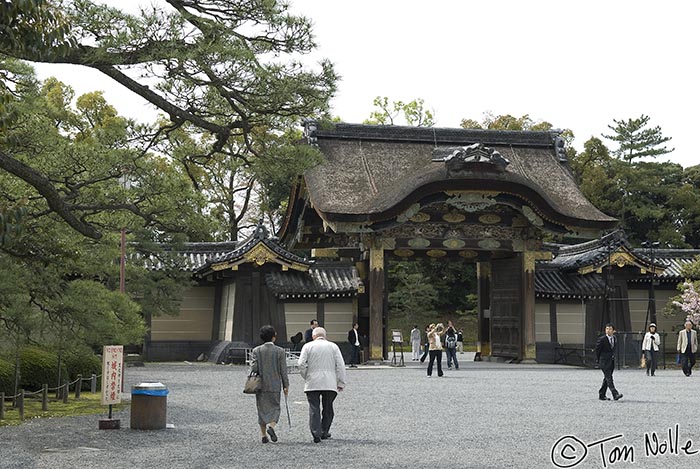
{"x": 373, "y": 173}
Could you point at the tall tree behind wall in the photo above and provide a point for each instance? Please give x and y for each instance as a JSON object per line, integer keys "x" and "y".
{"x": 80, "y": 150}
{"x": 225, "y": 72}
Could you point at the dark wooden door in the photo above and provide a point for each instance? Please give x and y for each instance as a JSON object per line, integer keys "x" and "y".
{"x": 506, "y": 307}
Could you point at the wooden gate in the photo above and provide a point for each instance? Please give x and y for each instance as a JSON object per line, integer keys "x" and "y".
{"x": 506, "y": 307}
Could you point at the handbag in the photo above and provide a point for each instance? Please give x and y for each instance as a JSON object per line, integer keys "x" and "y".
{"x": 252, "y": 384}
{"x": 643, "y": 364}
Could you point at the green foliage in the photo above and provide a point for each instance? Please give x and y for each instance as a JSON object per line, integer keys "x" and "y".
{"x": 653, "y": 201}
{"x": 413, "y": 113}
{"x": 692, "y": 270}
{"x": 636, "y": 141}
{"x": 34, "y": 27}
{"x": 413, "y": 294}
{"x": 230, "y": 82}
{"x": 58, "y": 286}
{"x": 506, "y": 122}
{"x": 39, "y": 367}
{"x": 7, "y": 377}
{"x": 425, "y": 291}
{"x": 88, "y": 404}
{"x": 82, "y": 361}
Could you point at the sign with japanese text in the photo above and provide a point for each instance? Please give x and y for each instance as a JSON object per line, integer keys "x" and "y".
{"x": 112, "y": 369}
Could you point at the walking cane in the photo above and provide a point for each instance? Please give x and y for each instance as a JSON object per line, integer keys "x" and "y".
{"x": 286, "y": 404}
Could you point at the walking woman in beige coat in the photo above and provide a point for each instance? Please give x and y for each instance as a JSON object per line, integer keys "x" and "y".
{"x": 269, "y": 361}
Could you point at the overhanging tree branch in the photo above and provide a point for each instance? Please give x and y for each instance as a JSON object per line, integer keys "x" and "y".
{"x": 48, "y": 192}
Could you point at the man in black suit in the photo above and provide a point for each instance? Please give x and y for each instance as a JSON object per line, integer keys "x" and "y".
{"x": 354, "y": 341}
{"x": 605, "y": 356}
{"x": 309, "y": 332}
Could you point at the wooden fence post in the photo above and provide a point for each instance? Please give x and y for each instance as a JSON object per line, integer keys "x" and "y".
{"x": 45, "y": 398}
{"x": 2, "y": 405}
{"x": 93, "y": 383}
{"x": 20, "y": 405}
{"x": 65, "y": 392}
{"x": 78, "y": 385}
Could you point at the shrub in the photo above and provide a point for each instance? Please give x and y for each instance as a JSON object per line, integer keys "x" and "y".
{"x": 82, "y": 361}
{"x": 38, "y": 367}
{"x": 7, "y": 377}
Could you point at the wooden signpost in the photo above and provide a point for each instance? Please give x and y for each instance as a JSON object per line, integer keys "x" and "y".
{"x": 112, "y": 380}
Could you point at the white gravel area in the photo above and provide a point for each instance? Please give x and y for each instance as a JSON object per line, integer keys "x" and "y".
{"x": 484, "y": 415}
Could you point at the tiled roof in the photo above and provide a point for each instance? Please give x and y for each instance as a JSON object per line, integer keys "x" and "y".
{"x": 190, "y": 257}
{"x": 259, "y": 236}
{"x": 673, "y": 259}
{"x": 555, "y": 283}
{"x": 575, "y": 256}
{"x": 332, "y": 281}
{"x": 560, "y": 277}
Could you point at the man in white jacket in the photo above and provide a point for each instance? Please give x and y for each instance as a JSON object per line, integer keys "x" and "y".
{"x": 322, "y": 367}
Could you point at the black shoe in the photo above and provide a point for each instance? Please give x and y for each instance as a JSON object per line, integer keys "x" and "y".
{"x": 603, "y": 398}
{"x": 265, "y": 440}
{"x": 317, "y": 439}
{"x": 325, "y": 436}
{"x": 617, "y": 396}
{"x": 273, "y": 435}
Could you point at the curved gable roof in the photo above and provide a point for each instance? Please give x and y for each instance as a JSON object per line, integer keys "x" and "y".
{"x": 370, "y": 170}
{"x": 259, "y": 249}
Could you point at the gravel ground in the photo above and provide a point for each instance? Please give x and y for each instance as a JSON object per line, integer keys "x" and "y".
{"x": 485, "y": 415}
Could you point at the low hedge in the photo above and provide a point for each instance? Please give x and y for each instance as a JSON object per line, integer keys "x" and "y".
{"x": 82, "y": 361}
{"x": 38, "y": 367}
{"x": 7, "y": 377}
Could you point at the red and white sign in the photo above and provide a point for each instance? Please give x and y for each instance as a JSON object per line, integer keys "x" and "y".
{"x": 112, "y": 368}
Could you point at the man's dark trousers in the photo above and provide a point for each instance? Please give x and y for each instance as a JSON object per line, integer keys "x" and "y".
{"x": 688, "y": 360}
{"x": 354, "y": 354}
{"x": 320, "y": 420}
{"x": 607, "y": 366}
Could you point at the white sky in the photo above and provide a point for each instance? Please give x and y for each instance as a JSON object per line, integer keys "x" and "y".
{"x": 576, "y": 64}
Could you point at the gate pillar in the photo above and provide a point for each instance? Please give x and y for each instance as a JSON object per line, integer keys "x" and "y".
{"x": 376, "y": 301}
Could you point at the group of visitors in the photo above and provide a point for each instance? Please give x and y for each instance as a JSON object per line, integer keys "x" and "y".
{"x": 687, "y": 347}
{"x": 435, "y": 336}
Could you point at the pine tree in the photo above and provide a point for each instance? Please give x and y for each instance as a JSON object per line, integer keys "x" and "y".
{"x": 637, "y": 141}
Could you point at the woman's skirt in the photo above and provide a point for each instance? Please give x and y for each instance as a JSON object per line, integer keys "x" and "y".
{"x": 268, "y": 407}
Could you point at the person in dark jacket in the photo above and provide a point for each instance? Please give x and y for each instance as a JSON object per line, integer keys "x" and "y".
{"x": 309, "y": 332}
{"x": 354, "y": 341}
{"x": 270, "y": 362}
{"x": 605, "y": 356}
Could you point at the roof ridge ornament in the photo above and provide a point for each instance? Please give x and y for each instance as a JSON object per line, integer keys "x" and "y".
{"x": 459, "y": 159}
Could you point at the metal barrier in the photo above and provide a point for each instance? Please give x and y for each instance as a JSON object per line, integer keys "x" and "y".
{"x": 62, "y": 393}
{"x": 628, "y": 351}
{"x": 291, "y": 357}
{"x": 629, "y": 354}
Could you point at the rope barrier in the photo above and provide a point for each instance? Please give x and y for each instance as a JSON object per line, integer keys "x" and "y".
{"x": 64, "y": 388}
